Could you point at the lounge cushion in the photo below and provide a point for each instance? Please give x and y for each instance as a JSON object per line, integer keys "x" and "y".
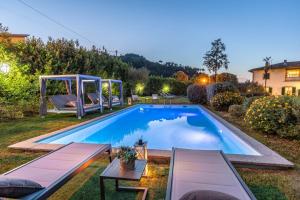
{"x": 71, "y": 104}
{"x": 207, "y": 195}
{"x": 17, "y": 188}
{"x": 115, "y": 99}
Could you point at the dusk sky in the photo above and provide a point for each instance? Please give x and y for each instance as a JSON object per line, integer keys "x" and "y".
{"x": 178, "y": 31}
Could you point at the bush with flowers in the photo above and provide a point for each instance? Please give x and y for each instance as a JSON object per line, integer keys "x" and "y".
{"x": 274, "y": 114}
{"x": 197, "y": 93}
{"x": 222, "y": 101}
{"x": 236, "y": 110}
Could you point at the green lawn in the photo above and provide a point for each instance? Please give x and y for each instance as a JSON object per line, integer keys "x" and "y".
{"x": 271, "y": 184}
{"x": 265, "y": 184}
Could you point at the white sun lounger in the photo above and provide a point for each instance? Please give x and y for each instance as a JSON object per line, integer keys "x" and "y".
{"x": 56, "y": 168}
{"x": 209, "y": 172}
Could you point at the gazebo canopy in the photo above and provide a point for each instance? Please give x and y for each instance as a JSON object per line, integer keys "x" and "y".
{"x": 80, "y": 79}
{"x": 110, "y": 81}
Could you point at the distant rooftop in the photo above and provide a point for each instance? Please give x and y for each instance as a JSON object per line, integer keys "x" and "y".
{"x": 18, "y": 35}
{"x": 14, "y": 38}
{"x": 284, "y": 64}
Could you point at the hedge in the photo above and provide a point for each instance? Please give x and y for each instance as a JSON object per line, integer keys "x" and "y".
{"x": 156, "y": 83}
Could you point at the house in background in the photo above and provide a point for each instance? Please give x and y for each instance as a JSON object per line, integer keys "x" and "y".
{"x": 284, "y": 78}
{"x": 14, "y": 38}
{"x": 11, "y": 38}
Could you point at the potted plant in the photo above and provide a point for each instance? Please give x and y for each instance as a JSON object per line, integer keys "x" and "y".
{"x": 127, "y": 156}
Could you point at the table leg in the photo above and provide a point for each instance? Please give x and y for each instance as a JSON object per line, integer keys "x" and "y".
{"x": 117, "y": 185}
{"x": 102, "y": 189}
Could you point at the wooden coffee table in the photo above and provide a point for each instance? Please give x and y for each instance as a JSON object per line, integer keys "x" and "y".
{"x": 114, "y": 171}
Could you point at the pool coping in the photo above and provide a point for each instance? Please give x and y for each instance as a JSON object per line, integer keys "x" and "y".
{"x": 267, "y": 159}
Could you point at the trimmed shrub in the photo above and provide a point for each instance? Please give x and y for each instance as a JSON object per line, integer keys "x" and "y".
{"x": 156, "y": 83}
{"x": 236, "y": 110}
{"x": 250, "y": 89}
{"x": 227, "y": 77}
{"x": 274, "y": 115}
{"x": 10, "y": 112}
{"x": 222, "y": 101}
{"x": 290, "y": 132}
{"x": 197, "y": 93}
{"x": 221, "y": 87}
{"x": 248, "y": 101}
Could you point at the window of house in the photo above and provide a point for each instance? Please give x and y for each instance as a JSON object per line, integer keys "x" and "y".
{"x": 288, "y": 90}
{"x": 269, "y": 90}
{"x": 293, "y": 73}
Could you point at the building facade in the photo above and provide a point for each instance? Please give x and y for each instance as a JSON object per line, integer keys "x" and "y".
{"x": 14, "y": 38}
{"x": 282, "y": 79}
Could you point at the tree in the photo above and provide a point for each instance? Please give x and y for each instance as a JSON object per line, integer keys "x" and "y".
{"x": 137, "y": 78}
{"x": 181, "y": 76}
{"x": 159, "y": 68}
{"x": 4, "y": 35}
{"x": 249, "y": 88}
{"x": 216, "y": 58}
{"x": 3, "y": 29}
{"x": 267, "y": 61}
{"x": 227, "y": 77}
{"x": 201, "y": 79}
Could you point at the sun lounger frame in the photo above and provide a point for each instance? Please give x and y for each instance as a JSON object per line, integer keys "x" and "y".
{"x": 171, "y": 175}
{"x": 46, "y": 192}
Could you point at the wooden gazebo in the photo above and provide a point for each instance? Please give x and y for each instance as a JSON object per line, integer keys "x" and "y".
{"x": 70, "y": 103}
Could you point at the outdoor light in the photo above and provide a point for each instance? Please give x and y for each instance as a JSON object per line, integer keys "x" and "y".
{"x": 105, "y": 85}
{"x": 166, "y": 88}
{"x": 4, "y": 68}
{"x": 142, "y": 152}
{"x": 204, "y": 80}
{"x": 139, "y": 88}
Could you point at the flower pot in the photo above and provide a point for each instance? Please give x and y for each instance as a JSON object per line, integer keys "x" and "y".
{"x": 127, "y": 165}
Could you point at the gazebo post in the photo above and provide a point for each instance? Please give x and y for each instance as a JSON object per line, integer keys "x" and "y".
{"x": 100, "y": 95}
{"x": 121, "y": 93}
{"x": 82, "y": 92}
{"x": 80, "y": 110}
{"x": 68, "y": 86}
{"x": 110, "y": 94}
{"x": 43, "y": 102}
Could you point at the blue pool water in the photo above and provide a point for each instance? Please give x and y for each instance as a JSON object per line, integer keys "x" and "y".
{"x": 163, "y": 127}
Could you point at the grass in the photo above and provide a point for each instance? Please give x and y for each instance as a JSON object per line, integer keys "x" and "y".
{"x": 271, "y": 184}
{"x": 86, "y": 184}
{"x": 18, "y": 130}
{"x": 265, "y": 184}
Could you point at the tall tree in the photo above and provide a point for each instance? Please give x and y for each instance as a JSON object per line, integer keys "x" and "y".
{"x": 267, "y": 61}
{"x": 181, "y": 76}
{"x": 215, "y": 58}
{"x": 4, "y": 35}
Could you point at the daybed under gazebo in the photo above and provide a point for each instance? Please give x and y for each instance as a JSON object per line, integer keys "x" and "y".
{"x": 70, "y": 103}
{"x": 112, "y": 100}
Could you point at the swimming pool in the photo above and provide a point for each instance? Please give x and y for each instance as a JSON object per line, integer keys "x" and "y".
{"x": 162, "y": 126}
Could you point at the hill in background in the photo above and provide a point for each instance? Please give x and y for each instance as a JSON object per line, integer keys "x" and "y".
{"x": 157, "y": 68}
